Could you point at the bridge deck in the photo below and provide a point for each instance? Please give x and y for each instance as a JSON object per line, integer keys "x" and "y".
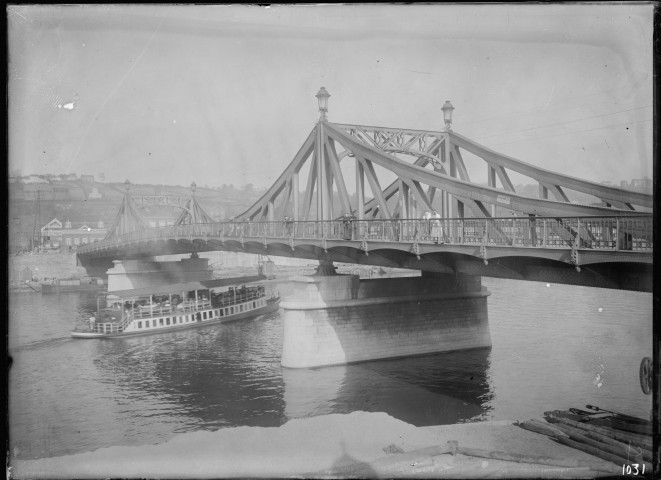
{"x": 579, "y": 233}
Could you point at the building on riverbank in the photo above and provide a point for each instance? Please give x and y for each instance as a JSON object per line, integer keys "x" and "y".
{"x": 68, "y": 236}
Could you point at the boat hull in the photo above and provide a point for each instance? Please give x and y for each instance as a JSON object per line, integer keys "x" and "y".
{"x": 268, "y": 308}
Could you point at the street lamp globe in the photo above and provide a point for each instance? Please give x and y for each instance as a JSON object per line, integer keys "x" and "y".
{"x": 322, "y": 98}
{"x": 193, "y": 187}
{"x": 447, "y": 114}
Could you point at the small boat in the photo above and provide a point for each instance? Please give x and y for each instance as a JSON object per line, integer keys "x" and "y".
{"x": 73, "y": 284}
{"x": 25, "y": 287}
{"x": 178, "y": 306}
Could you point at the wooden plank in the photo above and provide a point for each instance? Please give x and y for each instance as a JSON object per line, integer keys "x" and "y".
{"x": 632, "y": 438}
{"x": 597, "y": 452}
{"x": 609, "y": 443}
{"x": 535, "y": 459}
{"x": 543, "y": 428}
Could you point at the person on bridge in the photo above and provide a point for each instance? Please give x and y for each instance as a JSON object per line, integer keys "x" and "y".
{"x": 436, "y": 227}
{"x": 347, "y": 221}
{"x": 427, "y": 226}
{"x": 289, "y": 223}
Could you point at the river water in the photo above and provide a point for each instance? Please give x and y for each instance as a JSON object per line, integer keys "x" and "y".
{"x": 554, "y": 347}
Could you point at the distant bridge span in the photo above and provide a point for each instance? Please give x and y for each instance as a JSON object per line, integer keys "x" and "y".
{"x": 608, "y": 243}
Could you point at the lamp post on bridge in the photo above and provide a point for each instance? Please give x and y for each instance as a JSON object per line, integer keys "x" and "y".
{"x": 447, "y": 115}
{"x": 322, "y": 99}
{"x": 447, "y": 209}
{"x": 323, "y": 194}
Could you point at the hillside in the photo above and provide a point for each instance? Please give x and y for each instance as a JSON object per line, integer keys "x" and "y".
{"x": 85, "y": 201}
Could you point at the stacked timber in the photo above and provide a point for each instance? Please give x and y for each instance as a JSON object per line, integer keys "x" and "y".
{"x": 617, "y": 438}
{"x": 421, "y": 463}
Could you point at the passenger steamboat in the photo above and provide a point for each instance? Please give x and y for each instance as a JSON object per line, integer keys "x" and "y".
{"x": 178, "y": 306}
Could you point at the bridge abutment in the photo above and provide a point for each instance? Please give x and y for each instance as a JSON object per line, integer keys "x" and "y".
{"x": 339, "y": 319}
{"x": 132, "y": 274}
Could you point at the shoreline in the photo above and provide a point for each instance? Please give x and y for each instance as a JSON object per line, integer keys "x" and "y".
{"x": 330, "y": 446}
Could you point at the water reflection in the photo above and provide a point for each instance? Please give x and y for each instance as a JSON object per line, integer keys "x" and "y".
{"x": 208, "y": 377}
{"x": 428, "y": 390}
{"x": 222, "y": 376}
{"x": 68, "y": 396}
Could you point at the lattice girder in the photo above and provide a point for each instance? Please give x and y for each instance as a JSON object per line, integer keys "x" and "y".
{"x": 416, "y": 182}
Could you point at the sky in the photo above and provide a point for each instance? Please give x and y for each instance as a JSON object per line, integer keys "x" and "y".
{"x": 224, "y": 94}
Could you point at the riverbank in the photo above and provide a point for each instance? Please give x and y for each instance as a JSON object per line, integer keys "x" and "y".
{"x": 45, "y": 265}
{"x": 331, "y": 446}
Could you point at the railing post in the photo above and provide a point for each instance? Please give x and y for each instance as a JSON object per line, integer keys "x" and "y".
{"x": 544, "y": 233}
{"x": 461, "y": 231}
{"x": 617, "y": 233}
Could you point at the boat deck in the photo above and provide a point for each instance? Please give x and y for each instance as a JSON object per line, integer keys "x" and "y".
{"x": 140, "y": 320}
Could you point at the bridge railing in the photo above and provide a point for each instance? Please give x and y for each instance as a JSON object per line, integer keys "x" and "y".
{"x": 609, "y": 233}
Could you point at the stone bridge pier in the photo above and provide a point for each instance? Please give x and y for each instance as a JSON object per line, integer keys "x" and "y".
{"x": 336, "y": 319}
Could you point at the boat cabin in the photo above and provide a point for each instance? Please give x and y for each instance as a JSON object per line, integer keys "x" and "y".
{"x": 180, "y": 303}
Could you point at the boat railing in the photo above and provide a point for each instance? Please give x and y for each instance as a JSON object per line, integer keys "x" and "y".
{"x": 239, "y": 298}
{"x": 192, "y": 305}
{"x": 188, "y": 306}
{"x": 112, "y": 327}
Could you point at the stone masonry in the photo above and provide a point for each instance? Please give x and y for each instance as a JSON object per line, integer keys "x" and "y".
{"x": 340, "y": 319}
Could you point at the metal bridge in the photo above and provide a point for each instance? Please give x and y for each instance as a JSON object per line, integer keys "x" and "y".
{"x": 388, "y": 220}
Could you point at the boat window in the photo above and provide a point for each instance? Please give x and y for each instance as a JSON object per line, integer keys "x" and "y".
{"x": 254, "y": 304}
{"x": 139, "y": 324}
{"x": 167, "y": 321}
{"x": 232, "y": 310}
{"x": 160, "y": 321}
{"x": 181, "y": 319}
